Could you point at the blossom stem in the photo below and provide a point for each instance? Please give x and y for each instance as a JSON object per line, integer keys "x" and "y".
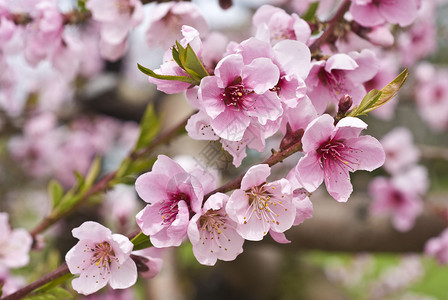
{"x": 272, "y": 160}
{"x": 59, "y": 272}
{"x": 103, "y": 184}
{"x": 329, "y": 31}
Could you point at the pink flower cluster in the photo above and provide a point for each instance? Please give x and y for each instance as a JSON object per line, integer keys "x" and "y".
{"x": 46, "y": 149}
{"x": 400, "y": 196}
{"x": 218, "y": 227}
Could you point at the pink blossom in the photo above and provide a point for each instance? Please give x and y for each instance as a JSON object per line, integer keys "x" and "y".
{"x": 151, "y": 260}
{"x": 377, "y": 12}
{"x": 331, "y": 152}
{"x": 239, "y": 94}
{"x": 431, "y": 94}
{"x": 341, "y": 74}
{"x": 400, "y": 150}
{"x": 293, "y": 59}
{"x": 120, "y": 205}
{"x": 167, "y": 20}
{"x": 420, "y": 40}
{"x": 400, "y": 196}
{"x": 117, "y": 18}
{"x": 14, "y": 244}
{"x": 44, "y": 33}
{"x": 173, "y": 194}
{"x": 213, "y": 234}
{"x": 274, "y": 25}
{"x": 381, "y": 36}
{"x": 260, "y": 206}
{"x": 9, "y": 283}
{"x": 100, "y": 257}
{"x": 437, "y": 247}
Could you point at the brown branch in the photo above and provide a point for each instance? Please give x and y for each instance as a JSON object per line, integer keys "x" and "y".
{"x": 272, "y": 160}
{"x": 59, "y": 272}
{"x": 329, "y": 31}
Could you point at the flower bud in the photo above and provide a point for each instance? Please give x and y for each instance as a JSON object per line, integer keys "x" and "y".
{"x": 344, "y": 104}
{"x": 225, "y": 4}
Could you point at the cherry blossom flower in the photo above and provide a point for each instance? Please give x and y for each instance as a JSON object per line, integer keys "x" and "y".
{"x": 213, "y": 234}
{"x": 44, "y": 34}
{"x": 100, "y": 257}
{"x": 393, "y": 143}
{"x": 239, "y": 94}
{"x": 274, "y": 24}
{"x": 377, "y": 12}
{"x": 258, "y": 206}
{"x": 167, "y": 20}
{"x": 341, "y": 74}
{"x": 9, "y": 283}
{"x": 437, "y": 247}
{"x": 14, "y": 244}
{"x": 400, "y": 197}
{"x": 172, "y": 194}
{"x": 116, "y": 18}
{"x": 431, "y": 95}
{"x": 331, "y": 152}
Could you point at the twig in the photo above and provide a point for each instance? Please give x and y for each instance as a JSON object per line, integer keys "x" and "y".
{"x": 59, "y": 272}
{"x": 103, "y": 184}
{"x": 329, "y": 31}
{"x": 272, "y": 160}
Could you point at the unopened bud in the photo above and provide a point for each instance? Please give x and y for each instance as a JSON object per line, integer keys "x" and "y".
{"x": 344, "y": 105}
{"x": 225, "y": 4}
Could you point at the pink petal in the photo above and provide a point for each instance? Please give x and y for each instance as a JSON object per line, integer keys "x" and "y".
{"x": 337, "y": 182}
{"x": 90, "y": 280}
{"x": 151, "y": 187}
{"x": 230, "y": 125}
{"x": 310, "y": 172}
{"x": 348, "y": 128}
{"x": 366, "y": 15}
{"x": 261, "y": 75}
{"x": 294, "y": 57}
{"x": 340, "y": 61}
{"x": 255, "y": 176}
{"x": 371, "y": 156}
{"x": 123, "y": 275}
{"x": 210, "y": 96}
{"x": 279, "y": 237}
{"x": 91, "y": 231}
{"x": 229, "y": 68}
{"x": 402, "y": 12}
{"x": 318, "y": 131}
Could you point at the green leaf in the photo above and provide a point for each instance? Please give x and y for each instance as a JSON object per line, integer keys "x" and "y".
{"x": 376, "y": 98}
{"x": 367, "y": 102}
{"x": 167, "y": 77}
{"x": 191, "y": 63}
{"x": 141, "y": 241}
{"x": 56, "y": 192}
{"x": 176, "y": 57}
{"x": 92, "y": 175}
{"x": 310, "y": 14}
{"x": 390, "y": 90}
{"x": 149, "y": 128}
{"x": 55, "y": 293}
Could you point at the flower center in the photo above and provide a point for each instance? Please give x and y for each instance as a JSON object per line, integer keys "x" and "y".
{"x": 234, "y": 95}
{"x": 336, "y": 153}
{"x": 213, "y": 221}
{"x": 335, "y": 80}
{"x": 102, "y": 255}
{"x": 397, "y": 198}
{"x": 170, "y": 207}
{"x": 261, "y": 202}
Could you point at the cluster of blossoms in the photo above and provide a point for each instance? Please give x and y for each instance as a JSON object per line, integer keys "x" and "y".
{"x": 401, "y": 196}
{"x": 284, "y": 80}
